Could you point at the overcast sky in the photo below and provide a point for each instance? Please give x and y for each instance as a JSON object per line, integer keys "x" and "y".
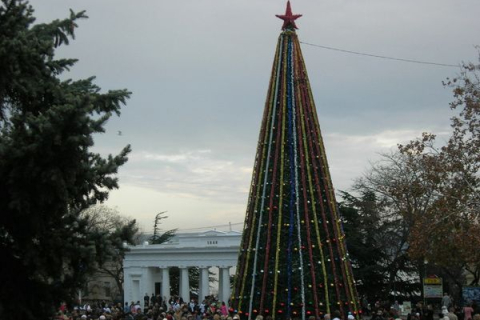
{"x": 199, "y": 72}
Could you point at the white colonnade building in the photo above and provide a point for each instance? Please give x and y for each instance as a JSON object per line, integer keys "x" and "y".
{"x": 146, "y": 267}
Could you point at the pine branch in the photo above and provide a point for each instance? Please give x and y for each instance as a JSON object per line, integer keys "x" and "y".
{"x": 59, "y": 30}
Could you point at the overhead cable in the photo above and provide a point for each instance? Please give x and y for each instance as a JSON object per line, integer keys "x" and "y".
{"x": 379, "y": 56}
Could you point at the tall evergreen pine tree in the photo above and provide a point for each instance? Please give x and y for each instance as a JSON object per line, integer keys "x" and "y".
{"x": 293, "y": 260}
{"x": 47, "y": 173}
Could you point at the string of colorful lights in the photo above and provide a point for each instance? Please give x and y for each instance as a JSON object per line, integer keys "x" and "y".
{"x": 293, "y": 260}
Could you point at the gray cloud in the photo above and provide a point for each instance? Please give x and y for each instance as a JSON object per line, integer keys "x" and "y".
{"x": 199, "y": 72}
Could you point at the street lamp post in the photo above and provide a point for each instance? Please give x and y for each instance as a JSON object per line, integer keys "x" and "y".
{"x": 425, "y": 262}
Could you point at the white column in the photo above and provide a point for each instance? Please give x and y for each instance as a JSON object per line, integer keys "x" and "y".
{"x": 146, "y": 284}
{"x": 127, "y": 285}
{"x": 166, "y": 283}
{"x": 184, "y": 284}
{"x": 220, "y": 284}
{"x": 204, "y": 284}
{"x": 224, "y": 281}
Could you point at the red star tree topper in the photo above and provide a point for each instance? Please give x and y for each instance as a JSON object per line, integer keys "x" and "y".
{"x": 288, "y": 18}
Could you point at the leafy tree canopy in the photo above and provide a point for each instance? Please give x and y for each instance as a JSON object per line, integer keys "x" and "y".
{"x": 427, "y": 195}
{"x": 448, "y": 232}
{"x": 118, "y": 231}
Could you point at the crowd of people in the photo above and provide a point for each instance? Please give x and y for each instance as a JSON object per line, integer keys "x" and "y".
{"x": 154, "y": 308}
{"x": 446, "y": 309}
{"x": 175, "y": 308}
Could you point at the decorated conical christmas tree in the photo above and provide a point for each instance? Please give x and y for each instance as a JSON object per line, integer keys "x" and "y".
{"x": 293, "y": 260}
